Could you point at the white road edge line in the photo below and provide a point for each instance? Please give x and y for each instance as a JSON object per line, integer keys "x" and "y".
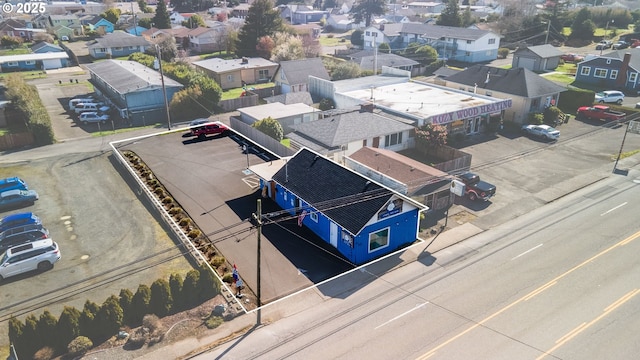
{"x": 401, "y": 315}
{"x": 528, "y": 251}
{"x": 615, "y": 208}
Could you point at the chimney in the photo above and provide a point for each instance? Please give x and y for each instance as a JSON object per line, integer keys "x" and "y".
{"x": 622, "y": 75}
{"x": 381, "y": 27}
{"x": 368, "y": 107}
{"x": 245, "y": 60}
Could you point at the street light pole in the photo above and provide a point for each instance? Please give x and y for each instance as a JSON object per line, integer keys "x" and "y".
{"x": 164, "y": 89}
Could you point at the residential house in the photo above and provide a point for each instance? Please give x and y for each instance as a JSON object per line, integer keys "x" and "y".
{"x": 424, "y": 7}
{"x": 240, "y": 11}
{"x": 286, "y": 115}
{"x": 155, "y": 34}
{"x": 340, "y": 22}
{"x": 367, "y": 60}
{"x": 69, "y": 20}
{"x": 537, "y": 58}
{"x": 308, "y": 16}
{"x": 528, "y": 91}
{"x": 614, "y": 70}
{"x": 459, "y": 44}
{"x": 417, "y": 180}
{"x": 64, "y": 32}
{"x": 391, "y": 19}
{"x": 293, "y": 75}
{"x": 101, "y": 25}
{"x": 287, "y": 11}
{"x": 235, "y": 73}
{"x": 18, "y": 28}
{"x": 133, "y": 89}
{"x": 302, "y": 97}
{"x": 45, "y": 47}
{"x": 178, "y": 18}
{"x": 204, "y": 39}
{"x": 34, "y": 61}
{"x": 371, "y": 221}
{"x": 341, "y": 133}
{"x": 117, "y": 44}
{"x": 135, "y": 30}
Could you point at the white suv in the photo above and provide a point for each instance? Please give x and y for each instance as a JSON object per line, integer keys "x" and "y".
{"x": 609, "y": 96}
{"x": 37, "y": 255}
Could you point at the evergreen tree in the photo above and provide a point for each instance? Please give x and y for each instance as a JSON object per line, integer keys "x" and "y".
{"x": 47, "y": 325}
{"x": 175, "y": 285}
{"x": 68, "y": 327}
{"x": 161, "y": 300}
{"x": 190, "y": 290}
{"x": 450, "y": 16}
{"x": 87, "y": 320}
{"x": 126, "y": 296}
{"x": 111, "y": 15}
{"x": 16, "y": 335}
{"x": 262, "y": 20}
{"x": 162, "y": 20}
{"x": 194, "y": 21}
{"x": 366, "y": 9}
{"x": 582, "y": 26}
{"x": 209, "y": 284}
{"x": 140, "y": 304}
{"x": 109, "y": 317}
{"x": 33, "y": 342}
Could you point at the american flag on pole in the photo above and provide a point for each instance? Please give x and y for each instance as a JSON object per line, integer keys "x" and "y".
{"x": 301, "y": 217}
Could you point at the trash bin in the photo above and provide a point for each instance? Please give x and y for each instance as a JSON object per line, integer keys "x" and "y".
{"x": 566, "y": 118}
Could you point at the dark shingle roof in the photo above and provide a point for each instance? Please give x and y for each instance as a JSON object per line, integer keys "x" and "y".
{"x": 341, "y": 129}
{"x": 43, "y": 44}
{"x": 390, "y": 60}
{"x": 118, "y": 39}
{"x": 519, "y": 82}
{"x": 347, "y": 198}
{"x": 298, "y": 71}
{"x": 543, "y": 51}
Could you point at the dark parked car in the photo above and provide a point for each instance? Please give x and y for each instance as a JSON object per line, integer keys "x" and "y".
{"x": 620, "y": 45}
{"x": 15, "y": 198}
{"x": 22, "y": 234}
{"x": 18, "y": 219}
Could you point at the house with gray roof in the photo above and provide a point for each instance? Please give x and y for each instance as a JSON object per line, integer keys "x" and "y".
{"x": 287, "y": 115}
{"x": 536, "y": 58}
{"x": 367, "y": 60}
{"x": 341, "y": 134}
{"x": 360, "y": 218}
{"x": 302, "y": 97}
{"x": 618, "y": 69}
{"x": 117, "y": 44}
{"x": 528, "y": 91}
{"x": 293, "y": 75}
{"x": 133, "y": 89}
{"x": 452, "y": 43}
{"x": 235, "y": 73}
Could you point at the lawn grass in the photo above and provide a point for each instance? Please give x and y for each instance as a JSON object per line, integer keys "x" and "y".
{"x": 235, "y": 93}
{"x": 334, "y": 41}
{"x": 286, "y": 142}
{"x": 625, "y": 154}
{"x": 221, "y": 54}
{"x": 27, "y": 75}
{"x": 123, "y": 130}
{"x": 560, "y": 78}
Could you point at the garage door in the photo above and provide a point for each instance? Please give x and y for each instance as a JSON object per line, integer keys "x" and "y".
{"x": 51, "y": 64}
{"x": 526, "y": 63}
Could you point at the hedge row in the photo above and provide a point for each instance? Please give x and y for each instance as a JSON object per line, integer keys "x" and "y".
{"x": 100, "y": 322}
{"x": 27, "y": 102}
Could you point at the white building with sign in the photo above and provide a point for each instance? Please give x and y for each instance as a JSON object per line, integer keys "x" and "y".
{"x": 460, "y": 111}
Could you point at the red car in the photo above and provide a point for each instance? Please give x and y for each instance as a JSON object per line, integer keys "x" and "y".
{"x": 571, "y": 57}
{"x": 202, "y": 131}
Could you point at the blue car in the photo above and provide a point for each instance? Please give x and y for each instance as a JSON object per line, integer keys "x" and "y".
{"x": 12, "y": 183}
{"x": 18, "y": 219}
{"x": 16, "y": 198}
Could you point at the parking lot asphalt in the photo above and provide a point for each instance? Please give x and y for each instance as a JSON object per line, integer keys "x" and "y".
{"x": 210, "y": 181}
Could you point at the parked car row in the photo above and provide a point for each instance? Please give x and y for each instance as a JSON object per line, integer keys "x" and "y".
{"x": 89, "y": 110}
{"x": 24, "y": 242}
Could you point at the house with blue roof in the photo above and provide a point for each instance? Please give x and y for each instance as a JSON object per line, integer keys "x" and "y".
{"x": 360, "y": 218}
{"x": 101, "y": 25}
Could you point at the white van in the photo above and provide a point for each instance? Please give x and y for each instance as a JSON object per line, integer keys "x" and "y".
{"x": 74, "y": 102}
{"x": 93, "y": 107}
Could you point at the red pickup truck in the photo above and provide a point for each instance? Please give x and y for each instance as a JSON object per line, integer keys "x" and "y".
{"x": 599, "y": 112}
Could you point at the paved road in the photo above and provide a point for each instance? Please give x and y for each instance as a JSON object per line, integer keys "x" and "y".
{"x": 527, "y": 289}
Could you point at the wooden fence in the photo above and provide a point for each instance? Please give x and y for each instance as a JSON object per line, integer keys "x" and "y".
{"x": 13, "y": 141}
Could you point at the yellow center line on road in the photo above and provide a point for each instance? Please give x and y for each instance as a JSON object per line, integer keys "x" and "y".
{"x": 527, "y": 296}
{"x": 573, "y": 333}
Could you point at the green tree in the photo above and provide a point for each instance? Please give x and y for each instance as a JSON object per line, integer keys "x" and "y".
{"x": 208, "y": 283}
{"x": 32, "y": 335}
{"x": 190, "y": 289}
{"x": 175, "y": 284}
{"x": 270, "y": 127}
{"x": 142, "y": 5}
{"x": 47, "y": 325}
{"x": 326, "y": 104}
{"x": 431, "y": 136}
{"x": 345, "y": 70}
{"x": 68, "y": 327}
{"x": 140, "y": 303}
{"x": 288, "y": 47}
{"x": 111, "y": 15}
{"x": 87, "y": 317}
{"x": 125, "y": 298}
{"x": 193, "y": 22}
{"x": 426, "y": 54}
{"x": 263, "y": 19}
{"x": 161, "y": 299}
{"x": 450, "y": 16}
{"x": 364, "y": 10}
{"x": 467, "y": 19}
{"x": 145, "y": 22}
{"x": 356, "y": 37}
{"x": 582, "y": 26}
{"x": 265, "y": 47}
{"x": 16, "y": 335}
{"x": 161, "y": 20}
{"x": 384, "y": 48}
{"x": 109, "y": 318}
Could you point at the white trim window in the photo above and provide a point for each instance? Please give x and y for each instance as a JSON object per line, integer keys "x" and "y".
{"x": 586, "y": 70}
{"x": 600, "y": 73}
{"x": 30, "y": 62}
{"x": 614, "y": 74}
{"x": 633, "y": 77}
{"x": 12, "y": 63}
{"x": 393, "y": 139}
{"x": 230, "y": 78}
{"x": 379, "y": 239}
{"x": 313, "y": 215}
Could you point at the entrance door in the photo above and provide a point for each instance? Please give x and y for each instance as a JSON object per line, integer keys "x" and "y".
{"x": 476, "y": 125}
{"x": 376, "y": 142}
{"x": 333, "y": 234}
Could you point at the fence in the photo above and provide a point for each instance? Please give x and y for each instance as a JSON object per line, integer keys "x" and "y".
{"x": 237, "y": 103}
{"x": 459, "y": 161}
{"x": 259, "y": 137}
{"x": 12, "y": 141}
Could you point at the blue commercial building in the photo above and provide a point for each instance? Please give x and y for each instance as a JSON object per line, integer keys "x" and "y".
{"x": 362, "y": 219}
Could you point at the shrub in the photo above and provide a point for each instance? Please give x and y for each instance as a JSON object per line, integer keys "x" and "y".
{"x": 46, "y": 353}
{"x": 213, "y": 322}
{"x": 503, "y": 53}
{"x": 175, "y": 210}
{"x": 551, "y": 115}
{"x": 217, "y": 261}
{"x": 79, "y": 346}
{"x": 185, "y": 222}
{"x": 68, "y": 326}
{"x": 153, "y": 183}
{"x": 194, "y": 233}
{"x": 326, "y": 104}
{"x": 535, "y": 118}
{"x": 161, "y": 299}
{"x": 207, "y": 283}
{"x": 356, "y": 38}
{"x": 159, "y": 192}
{"x": 228, "y": 278}
{"x": 167, "y": 200}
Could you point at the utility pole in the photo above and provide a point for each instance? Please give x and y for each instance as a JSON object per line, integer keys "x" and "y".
{"x": 546, "y": 38}
{"x": 164, "y": 89}
{"x": 257, "y": 218}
